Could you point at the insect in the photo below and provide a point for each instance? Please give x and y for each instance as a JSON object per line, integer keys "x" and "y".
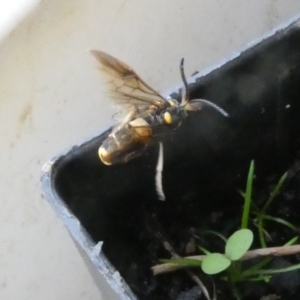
{"x": 147, "y": 113}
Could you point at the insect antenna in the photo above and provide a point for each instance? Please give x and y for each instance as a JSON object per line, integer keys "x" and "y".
{"x": 184, "y": 90}
{"x": 197, "y": 104}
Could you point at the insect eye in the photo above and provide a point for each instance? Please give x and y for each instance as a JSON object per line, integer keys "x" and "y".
{"x": 168, "y": 118}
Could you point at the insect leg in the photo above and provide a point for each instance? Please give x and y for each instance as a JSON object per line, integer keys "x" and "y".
{"x": 158, "y": 176}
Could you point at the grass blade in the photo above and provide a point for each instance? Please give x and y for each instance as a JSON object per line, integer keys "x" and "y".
{"x": 279, "y": 220}
{"x": 248, "y": 196}
{"x": 281, "y": 270}
{"x": 275, "y": 192}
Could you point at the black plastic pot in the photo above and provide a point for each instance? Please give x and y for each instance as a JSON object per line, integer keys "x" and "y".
{"x": 206, "y": 160}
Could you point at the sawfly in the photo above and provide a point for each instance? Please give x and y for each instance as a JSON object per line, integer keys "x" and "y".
{"x": 147, "y": 114}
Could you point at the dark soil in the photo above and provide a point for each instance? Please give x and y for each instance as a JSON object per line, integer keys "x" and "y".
{"x": 218, "y": 215}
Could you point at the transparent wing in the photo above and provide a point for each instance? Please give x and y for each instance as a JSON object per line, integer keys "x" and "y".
{"x": 125, "y": 87}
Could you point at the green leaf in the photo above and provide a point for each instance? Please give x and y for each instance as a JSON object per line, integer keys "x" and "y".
{"x": 215, "y": 263}
{"x": 238, "y": 244}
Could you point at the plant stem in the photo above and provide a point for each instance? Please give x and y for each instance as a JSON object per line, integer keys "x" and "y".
{"x": 232, "y": 282}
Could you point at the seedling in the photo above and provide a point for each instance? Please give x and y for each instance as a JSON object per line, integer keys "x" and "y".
{"x": 238, "y": 244}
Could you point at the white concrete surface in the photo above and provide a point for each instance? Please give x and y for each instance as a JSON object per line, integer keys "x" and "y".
{"x": 12, "y": 12}
{"x": 50, "y": 97}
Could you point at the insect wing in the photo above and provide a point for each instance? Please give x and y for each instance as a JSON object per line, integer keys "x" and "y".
{"x": 125, "y": 87}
